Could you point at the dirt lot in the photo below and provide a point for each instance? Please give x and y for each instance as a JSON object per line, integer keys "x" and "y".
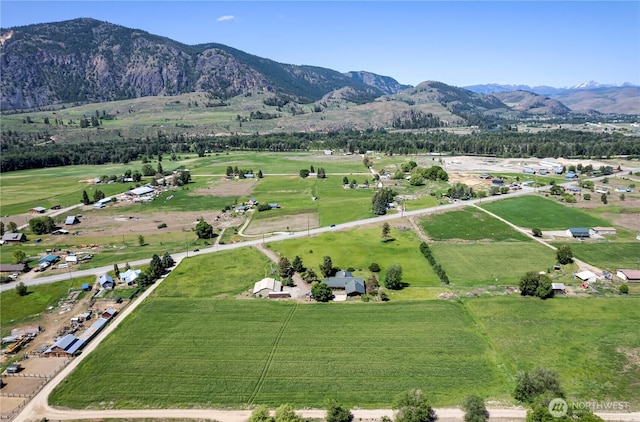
{"x": 297, "y": 222}
{"x": 224, "y": 187}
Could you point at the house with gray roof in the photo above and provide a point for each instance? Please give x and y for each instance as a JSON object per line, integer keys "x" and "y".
{"x": 11, "y": 237}
{"x": 344, "y": 280}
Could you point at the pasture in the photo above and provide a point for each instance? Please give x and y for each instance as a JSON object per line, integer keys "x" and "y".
{"x": 359, "y": 248}
{"x": 17, "y": 310}
{"x": 198, "y": 351}
{"x": 468, "y": 224}
{"x": 535, "y": 211}
{"x": 496, "y": 263}
{"x": 607, "y": 255}
{"x": 592, "y": 343}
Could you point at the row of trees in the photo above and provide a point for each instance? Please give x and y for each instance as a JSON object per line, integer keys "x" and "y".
{"x": 320, "y": 174}
{"x": 409, "y": 406}
{"x": 437, "y": 268}
{"x": 26, "y": 150}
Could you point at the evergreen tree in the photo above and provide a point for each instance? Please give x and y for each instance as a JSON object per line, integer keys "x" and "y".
{"x": 85, "y": 198}
{"x": 326, "y": 268}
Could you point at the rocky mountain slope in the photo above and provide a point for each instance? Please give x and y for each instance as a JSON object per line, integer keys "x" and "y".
{"x": 85, "y": 60}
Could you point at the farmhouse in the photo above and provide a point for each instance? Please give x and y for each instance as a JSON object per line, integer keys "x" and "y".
{"x": 558, "y": 288}
{"x": 629, "y": 275}
{"x": 37, "y": 210}
{"x": 106, "y": 282}
{"x": 66, "y": 346}
{"x": 14, "y": 237}
{"x": 586, "y": 276}
{"x": 266, "y": 286}
{"x": 252, "y": 201}
{"x": 128, "y": 277}
{"x": 602, "y": 230}
{"x": 578, "y": 232}
{"x": 344, "y": 280}
{"x": 71, "y": 220}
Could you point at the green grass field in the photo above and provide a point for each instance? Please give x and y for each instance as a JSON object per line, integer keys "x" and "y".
{"x": 19, "y": 310}
{"x": 535, "y": 211}
{"x": 185, "y": 352}
{"x": 607, "y": 255}
{"x": 469, "y": 224}
{"x": 499, "y": 263}
{"x": 359, "y": 248}
{"x": 586, "y": 340}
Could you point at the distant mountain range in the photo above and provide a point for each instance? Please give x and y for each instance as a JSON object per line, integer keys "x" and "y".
{"x": 88, "y": 61}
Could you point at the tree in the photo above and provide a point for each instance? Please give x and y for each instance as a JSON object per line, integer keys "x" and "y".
{"x": 159, "y": 170}
{"x": 167, "y": 261}
{"x": 345, "y": 180}
{"x": 260, "y": 414}
{"x": 1, "y": 228}
{"x": 12, "y": 227}
{"x": 147, "y": 170}
{"x": 156, "y": 269}
{"x": 19, "y": 256}
{"x": 229, "y": 171}
{"x": 326, "y": 268}
{"x": 310, "y": 276}
{"x": 623, "y": 289}
{"x": 337, "y": 412}
{"x": 386, "y": 230}
{"x": 141, "y": 240}
{"x": 42, "y": 225}
{"x": 286, "y": 413}
{"x": 21, "y": 289}
{"x": 311, "y": 169}
{"x": 393, "y": 277}
{"x": 474, "y": 409}
{"x": 535, "y": 284}
{"x": 304, "y": 173}
{"x": 321, "y": 292}
{"x": 116, "y": 270}
{"x": 284, "y": 267}
{"x": 204, "y": 230}
{"x": 85, "y": 198}
{"x": 260, "y": 175}
{"x": 530, "y": 385}
{"x": 564, "y": 254}
{"x": 586, "y": 196}
{"x": 374, "y": 267}
{"x": 412, "y": 406}
{"x": 297, "y": 264}
{"x": 98, "y": 195}
{"x": 371, "y": 284}
{"x": 603, "y": 198}
{"x": 536, "y": 232}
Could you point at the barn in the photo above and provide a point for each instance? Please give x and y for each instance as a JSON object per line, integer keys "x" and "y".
{"x": 629, "y": 275}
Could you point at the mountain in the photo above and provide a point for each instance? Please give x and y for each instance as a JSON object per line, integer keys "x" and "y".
{"x": 532, "y": 103}
{"x": 385, "y": 84}
{"x": 585, "y": 97}
{"x": 86, "y": 60}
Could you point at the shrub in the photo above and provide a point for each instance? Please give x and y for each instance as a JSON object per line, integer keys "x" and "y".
{"x": 474, "y": 409}
{"x": 536, "y": 232}
{"x": 531, "y": 385}
{"x": 623, "y": 289}
{"x": 162, "y": 225}
{"x": 374, "y": 267}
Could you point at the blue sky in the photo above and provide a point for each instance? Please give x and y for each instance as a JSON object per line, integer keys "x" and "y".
{"x": 459, "y": 43}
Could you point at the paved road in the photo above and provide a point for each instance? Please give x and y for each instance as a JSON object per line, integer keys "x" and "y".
{"x": 275, "y": 238}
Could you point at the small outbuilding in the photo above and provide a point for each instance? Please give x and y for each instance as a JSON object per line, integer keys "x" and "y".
{"x": 86, "y": 287}
{"x": 14, "y": 237}
{"x": 37, "y": 210}
{"x": 106, "y": 281}
{"x": 586, "y": 276}
{"x": 129, "y": 277}
{"x": 579, "y": 232}
{"x": 48, "y": 260}
{"x": 603, "y": 230}
{"x": 71, "y": 220}
{"x": 266, "y": 286}
{"x": 629, "y": 275}
{"x": 558, "y": 288}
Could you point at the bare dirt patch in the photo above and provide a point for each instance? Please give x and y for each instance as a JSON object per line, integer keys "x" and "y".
{"x": 225, "y": 187}
{"x": 9, "y": 404}
{"x": 141, "y": 223}
{"x": 283, "y": 223}
{"x": 633, "y": 358}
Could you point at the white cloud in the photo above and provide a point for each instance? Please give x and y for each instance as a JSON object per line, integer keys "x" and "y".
{"x": 226, "y": 18}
